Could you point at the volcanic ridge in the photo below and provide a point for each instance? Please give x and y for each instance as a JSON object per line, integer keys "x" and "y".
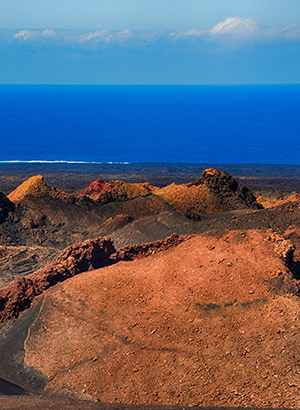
{"x": 102, "y": 300}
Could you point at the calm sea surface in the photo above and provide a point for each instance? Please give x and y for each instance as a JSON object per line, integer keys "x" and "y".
{"x": 194, "y": 124}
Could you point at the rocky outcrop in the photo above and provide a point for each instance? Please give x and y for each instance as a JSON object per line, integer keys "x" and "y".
{"x": 103, "y": 192}
{"x": 214, "y": 191}
{"x": 34, "y": 186}
{"x": 89, "y": 255}
{"x": 21, "y": 293}
{"x": 222, "y": 184}
{"x": 211, "y": 322}
{"x": 132, "y": 252}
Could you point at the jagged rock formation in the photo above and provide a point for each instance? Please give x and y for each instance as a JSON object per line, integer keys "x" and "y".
{"x": 89, "y": 255}
{"x": 214, "y": 191}
{"x": 211, "y": 321}
{"x": 132, "y": 252}
{"x": 46, "y": 216}
{"x": 85, "y": 256}
{"x": 103, "y": 192}
{"x": 58, "y": 219}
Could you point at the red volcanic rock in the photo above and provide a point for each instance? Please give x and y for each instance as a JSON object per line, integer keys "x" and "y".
{"x": 96, "y": 189}
{"x": 211, "y": 322}
{"x": 89, "y": 255}
{"x": 131, "y": 252}
{"x": 20, "y": 294}
{"x": 104, "y": 192}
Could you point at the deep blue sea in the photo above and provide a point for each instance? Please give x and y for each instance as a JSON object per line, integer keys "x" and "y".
{"x": 190, "y": 124}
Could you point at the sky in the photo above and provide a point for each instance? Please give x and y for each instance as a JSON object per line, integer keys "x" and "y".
{"x": 149, "y": 41}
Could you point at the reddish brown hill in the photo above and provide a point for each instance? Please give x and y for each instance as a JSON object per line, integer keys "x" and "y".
{"x": 96, "y": 189}
{"x": 89, "y": 255}
{"x": 213, "y": 321}
{"x": 104, "y": 192}
{"x": 46, "y": 216}
{"x": 214, "y": 191}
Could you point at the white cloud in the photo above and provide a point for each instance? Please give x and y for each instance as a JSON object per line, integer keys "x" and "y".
{"x": 123, "y": 35}
{"x": 48, "y": 33}
{"x": 25, "y": 34}
{"x": 194, "y": 32}
{"x": 232, "y": 32}
{"x": 289, "y": 32}
{"x": 98, "y": 35}
{"x": 236, "y": 26}
{"x": 105, "y": 36}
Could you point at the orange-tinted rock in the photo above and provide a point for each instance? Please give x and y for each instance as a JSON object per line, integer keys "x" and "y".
{"x": 293, "y": 234}
{"x": 34, "y": 186}
{"x": 270, "y": 199}
{"x": 214, "y": 191}
{"x": 131, "y": 252}
{"x": 89, "y": 255}
{"x": 211, "y": 322}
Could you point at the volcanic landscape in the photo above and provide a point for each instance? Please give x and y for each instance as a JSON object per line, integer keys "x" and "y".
{"x": 122, "y": 295}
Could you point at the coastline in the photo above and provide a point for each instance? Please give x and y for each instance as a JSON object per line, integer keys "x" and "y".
{"x": 73, "y": 176}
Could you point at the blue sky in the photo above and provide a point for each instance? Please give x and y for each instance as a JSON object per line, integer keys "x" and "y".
{"x": 150, "y": 41}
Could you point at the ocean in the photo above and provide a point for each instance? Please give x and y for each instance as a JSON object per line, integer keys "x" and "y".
{"x": 257, "y": 124}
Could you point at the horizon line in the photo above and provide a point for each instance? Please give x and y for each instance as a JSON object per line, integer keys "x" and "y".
{"x": 74, "y": 162}
{"x": 154, "y": 84}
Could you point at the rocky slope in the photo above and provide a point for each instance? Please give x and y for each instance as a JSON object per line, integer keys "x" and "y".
{"x": 17, "y": 261}
{"x": 214, "y": 191}
{"x": 85, "y": 256}
{"x": 36, "y": 214}
{"x": 115, "y": 191}
{"x": 89, "y": 255}
{"x": 40, "y": 215}
{"x": 211, "y": 321}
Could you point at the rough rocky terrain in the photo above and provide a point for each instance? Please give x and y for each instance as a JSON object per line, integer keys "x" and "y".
{"x": 35, "y": 214}
{"x": 214, "y": 191}
{"x": 21, "y": 293}
{"x": 209, "y": 318}
{"x": 16, "y": 261}
{"x": 211, "y": 321}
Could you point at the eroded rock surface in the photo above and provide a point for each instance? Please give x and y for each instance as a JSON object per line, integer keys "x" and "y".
{"x": 211, "y": 321}
{"x": 21, "y": 293}
{"x": 214, "y": 191}
{"x": 18, "y": 261}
